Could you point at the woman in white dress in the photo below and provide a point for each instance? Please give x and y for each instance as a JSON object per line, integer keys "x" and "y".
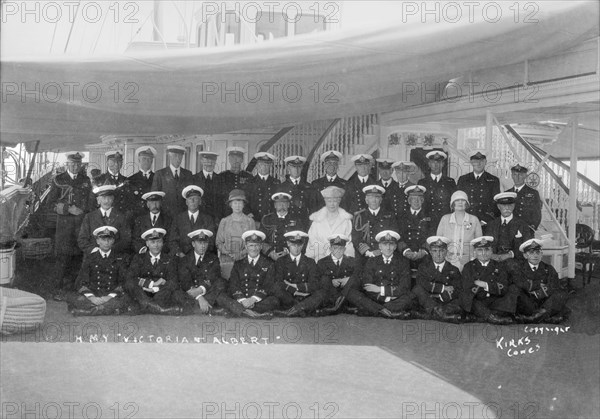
{"x": 460, "y": 227}
{"x": 329, "y": 220}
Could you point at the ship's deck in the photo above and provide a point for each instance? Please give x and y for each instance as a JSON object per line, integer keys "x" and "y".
{"x": 337, "y": 366}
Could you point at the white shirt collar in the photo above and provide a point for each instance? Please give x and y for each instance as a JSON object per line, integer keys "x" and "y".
{"x": 72, "y": 175}
{"x": 255, "y": 260}
{"x": 416, "y": 212}
{"x": 106, "y": 212}
{"x": 331, "y": 178}
{"x": 207, "y": 174}
{"x": 534, "y": 266}
{"x": 507, "y": 219}
{"x": 152, "y": 257}
{"x": 263, "y": 177}
{"x": 436, "y": 177}
{"x": 173, "y": 168}
{"x": 147, "y": 172}
{"x": 375, "y": 211}
{"x": 439, "y": 265}
{"x": 197, "y": 256}
{"x": 295, "y": 180}
{"x": 386, "y": 260}
{"x": 281, "y": 215}
{"x": 193, "y": 214}
{"x": 484, "y": 264}
{"x": 336, "y": 260}
{"x": 363, "y": 178}
{"x": 518, "y": 188}
{"x": 103, "y": 254}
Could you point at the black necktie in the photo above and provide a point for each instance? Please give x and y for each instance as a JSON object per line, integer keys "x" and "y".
{"x": 192, "y": 219}
{"x": 252, "y": 263}
{"x": 176, "y": 174}
{"x": 373, "y": 212}
{"x": 414, "y": 213}
{"x": 504, "y": 223}
{"x": 337, "y": 263}
{"x": 209, "y": 177}
{"x": 534, "y": 268}
{"x": 154, "y": 219}
{"x": 105, "y": 217}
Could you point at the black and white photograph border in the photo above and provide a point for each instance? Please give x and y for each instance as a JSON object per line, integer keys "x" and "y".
{"x": 111, "y": 110}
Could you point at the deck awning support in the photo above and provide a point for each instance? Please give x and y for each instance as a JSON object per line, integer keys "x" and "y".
{"x": 572, "y": 199}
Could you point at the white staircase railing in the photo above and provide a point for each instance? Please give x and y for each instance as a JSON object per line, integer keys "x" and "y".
{"x": 343, "y": 137}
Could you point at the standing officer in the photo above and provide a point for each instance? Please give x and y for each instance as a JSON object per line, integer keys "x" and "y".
{"x": 234, "y": 178}
{"x": 385, "y": 280}
{"x": 439, "y": 187}
{"x": 152, "y": 278}
{"x": 200, "y": 274}
{"x": 353, "y": 198}
{"x": 331, "y": 162}
{"x": 508, "y": 231}
{"x": 385, "y": 170}
{"x": 439, "y": 283}
{"x": 480, "y": 187}
{"x": 485, "y": 285}
{"x": 190, "y": 220}
{"x": 210, "y": 182}
{"x": 113, "y": 176}
{"x": 141, "y": 182}
{"x": 528, "y": 205}
{"x": 539, "y": 297}
{"x": 369, "y": 222}
{"x": 153, "y": 218}
{"x": 262, "y": 186}
{"x": 277, "y": 223}
{"x": 304, "y": 199}
{"x": 335, "y": 271}
{"x": 415, "y": 226}
{"x": 251, "y": 282}
{"x": 297, "y": 285}
{"x": 172, "y": 180}
{"x": 101, "y": 279}
{"x": 106, "y": 215}
{"x": 395, "y": 196}
{"x": 69, "y": 197}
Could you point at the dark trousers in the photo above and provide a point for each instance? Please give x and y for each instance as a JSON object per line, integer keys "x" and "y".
{"x": 267, "y": 304}
{"x": 190, "y": 305}
{"x": 79, "y": 301}
{"x": 66, "y": 269}
{"x": 527, "y": 304}
{"x": 165, "y": 298}
{"x": 430, "y": 301}
{"x": 483, "y": 307}
{"x": 307, "y": 304}
{"x": 367, "y": 305}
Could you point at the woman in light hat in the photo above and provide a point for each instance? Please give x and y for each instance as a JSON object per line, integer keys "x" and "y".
{"x": 329, "y": 220}
{"x": 229, "y": 241}
{"x": 460, "y": 227}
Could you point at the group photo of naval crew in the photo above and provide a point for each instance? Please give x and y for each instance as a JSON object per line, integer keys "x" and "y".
{"x": 232, "y": 243}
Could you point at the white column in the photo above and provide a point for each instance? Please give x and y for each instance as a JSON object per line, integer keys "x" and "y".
{"x": 572, "y": 199}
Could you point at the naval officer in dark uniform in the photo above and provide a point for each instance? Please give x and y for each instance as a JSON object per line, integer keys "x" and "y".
{"x": 141, "y": 182}
{"x": 415, "y": 226}
{"x": 153, "y": 217}
{"x": 113, "y": 176}
{"x": 480, "y": 187}
{"x": 262, "y": 186}
{"x": 383, "y": 286}
{"x": 353, "y": 200}
{"x": 297, "y": 283}
{"x": 70, "y": 197}
{"x": 172, "y": 180}
{"x": 101, "y": 279}
{"x": 251, "y": 282}
{"x": 439, "y": 187}
{"x": 234, "y": 178}
{"x": 304, "y": 197}
{"x": 528, "y": 205}
{"x": 210, "y": 182}
{"x": 331, "y": 162}
{"x": 485, "y": 285}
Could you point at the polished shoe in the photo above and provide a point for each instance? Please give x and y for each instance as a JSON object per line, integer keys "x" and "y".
{"x": 420, "y": 315}
{"x": 83, "y": 311}
{"x": 292, "y": 312}
{"x": 471, "y": 318}
{"x": 280, "y": 313}
{"x": 254, "y": 315}
{"x": 441, "y": 315}
{"x": 536, "y": 317}
{"x": 351, "y": 310}
{"x": 498, "y": 320}
{"x": 400, "y": 315}
{"x": 154, "y": 308}
{"x": 219, "y": 311}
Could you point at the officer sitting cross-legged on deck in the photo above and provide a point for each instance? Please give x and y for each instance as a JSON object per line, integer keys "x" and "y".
{"x": 485, "y": 285}
{"x": 152, "y": 277}
{"x": 539, "y": 297}
{"x": 297, "y": 284}
{"x": 385, "y": 280}
{"x": 251, "y": 280}
{"x": 200, "y": 274}
{"x": 439, "y": 283}
{"x": 335, "y": 272}
{"x": 101, "y": 279}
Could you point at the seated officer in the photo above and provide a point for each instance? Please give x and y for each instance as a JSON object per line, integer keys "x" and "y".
{"x": 368, "y": 222}
{"x": 188, "y": 221}
{"x": 200, "y": 274}
{"x": 385, "y": 280}
{"x": 335, "y": 271}
{"x": 105, "y": 215}
{"x": 152, "y": 277}
{"x": 251, "y": 280}
{"x": 297, "y": 284}
{"x": 277, "y": 223}
{"x": 485, "y": 285}
{"x": 101, "y": 279}
{"x": 509, "y": 232}
{"x": 415, "y": 226}
{"x": 539, "y": 298}
{"x": 439, "y": 283}
{"x": 153, "y": 218}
